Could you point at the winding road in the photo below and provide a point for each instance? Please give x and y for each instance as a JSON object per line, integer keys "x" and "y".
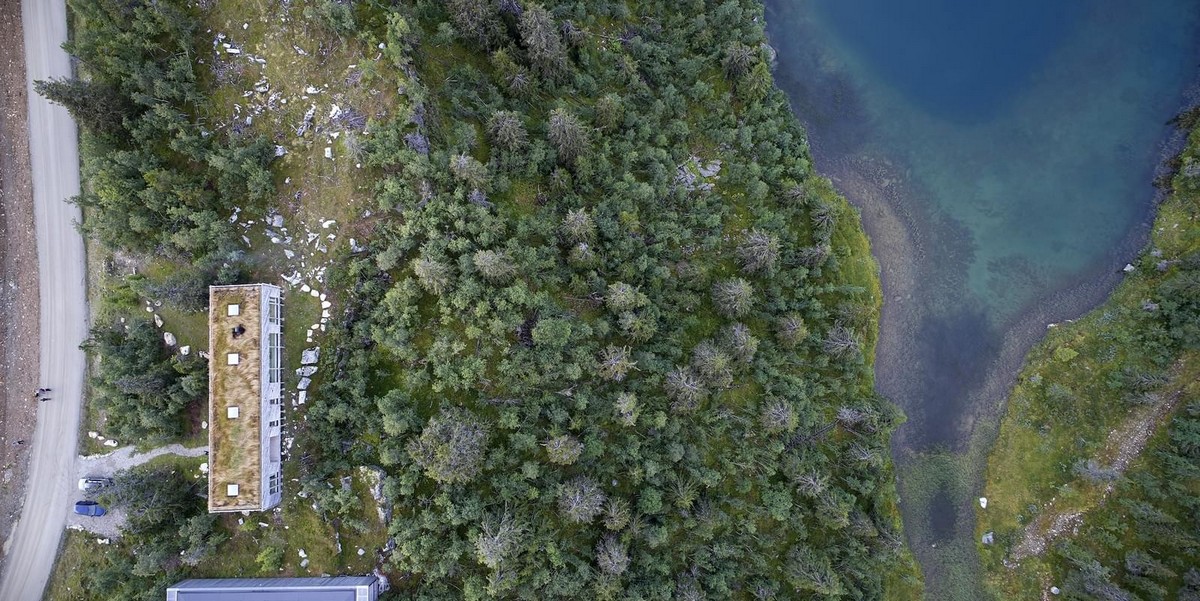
{"x": 54, "y": 154}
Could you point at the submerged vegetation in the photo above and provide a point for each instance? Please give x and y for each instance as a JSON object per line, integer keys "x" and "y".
{"x": 1094, "y": 482}
{"x": 607, "y": 334}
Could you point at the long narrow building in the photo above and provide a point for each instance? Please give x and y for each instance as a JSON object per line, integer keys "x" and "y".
{"x": 245, "y": 379}
{"x": 337, "y": 588}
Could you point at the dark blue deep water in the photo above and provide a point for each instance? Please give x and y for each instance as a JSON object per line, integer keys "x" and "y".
{"x": 1003, "y": 155}
{"x": 961, "y": 61}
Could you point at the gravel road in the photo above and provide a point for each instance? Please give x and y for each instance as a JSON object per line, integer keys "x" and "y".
{"x": 54, "y": 158}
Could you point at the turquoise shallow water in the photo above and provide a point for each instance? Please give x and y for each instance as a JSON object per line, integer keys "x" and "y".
{"x": 1022, "y": 136}
{"x": 1033, "y": 127}
{"x": 1016, "y": 140}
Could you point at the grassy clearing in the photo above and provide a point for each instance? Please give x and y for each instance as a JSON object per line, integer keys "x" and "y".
{"x": 1085, "y": 381}
{"x": 297, "y": 527}
{"x": 78, "y": 554}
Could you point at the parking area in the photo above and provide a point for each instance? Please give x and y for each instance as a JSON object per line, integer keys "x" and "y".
{"x": 104, "y": 466}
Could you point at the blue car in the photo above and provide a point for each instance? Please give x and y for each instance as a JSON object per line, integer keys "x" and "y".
{"x": 91, "y": 508}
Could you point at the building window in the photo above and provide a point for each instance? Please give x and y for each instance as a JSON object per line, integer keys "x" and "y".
{"x": 233, "y": 310}
{"x": 232, "y": 359}
{"x": 232, "y": 412}
{"x": 231, "y": 490}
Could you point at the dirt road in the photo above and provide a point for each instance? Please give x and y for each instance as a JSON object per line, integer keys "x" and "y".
{"x": 54, "y": 158}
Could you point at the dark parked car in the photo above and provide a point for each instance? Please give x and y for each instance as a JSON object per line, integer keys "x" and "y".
{"x": 91, "y": 508}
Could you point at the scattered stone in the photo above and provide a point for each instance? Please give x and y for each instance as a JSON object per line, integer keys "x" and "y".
{"x": 328, "y": 152}
{"x": 204, "y": 425}
{"x": 311, "y": 90}
{"x": 361, "y": 552}
{"x": 304, "y": 563}
{"x": 93, "y": 434}
{"x": 185, "y": 350}
{"x": 1129, "y": 268}
{"x": 204, "y": 468}
{"x": 983, "y": 502}
{"x": 1149, "y": 306}
{"x": 306, "y": 371}
{"x": 102, "y": 541}
{"x": 307, "y": 121}
{"x": 289, "y": 254}
{"x": 305, "y": 288}
{"x": 326, "y": 304}
{"x": 110, "y": 443}
{"x": 158, "y": 322}
{"x": 304, "y": 382}
{"x": 302, "y": 554}
{"x": 169, "y": 338}
{"x": 263, "y": 525}
{"x": 280, "y": 151}
{"x": 1162, "y": 266}
{"x": 988, "y": 538}
{"x": 325, "y": 314}
{"x": 204, "y": 354}
{"x": 1054, "y": 590}
{"x": 315, "y": 294}
{"x": 241, "y": 521}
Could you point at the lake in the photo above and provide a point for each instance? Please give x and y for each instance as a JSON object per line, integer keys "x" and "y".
{"x": 1003, "y": 156}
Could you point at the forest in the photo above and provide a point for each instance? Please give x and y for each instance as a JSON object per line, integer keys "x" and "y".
{"x": 609, "y": 335}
